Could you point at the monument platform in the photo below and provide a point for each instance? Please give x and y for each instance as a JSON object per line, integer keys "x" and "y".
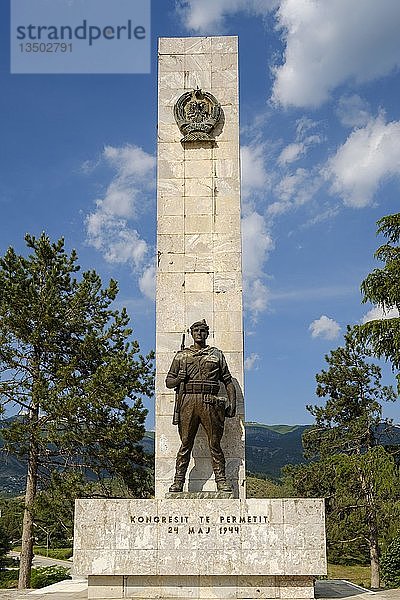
{"x": 200, "y": 548}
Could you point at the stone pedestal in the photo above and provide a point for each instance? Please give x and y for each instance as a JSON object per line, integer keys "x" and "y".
{"x": 200, "y": 548}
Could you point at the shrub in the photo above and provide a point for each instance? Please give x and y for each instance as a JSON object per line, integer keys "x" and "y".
{"x": 59, "y": 553}
{"x": 5, "y": 545}
{"x": 390, "y": 564}
{"x": 43, "y": 576}
{"x": 8, "y": 579}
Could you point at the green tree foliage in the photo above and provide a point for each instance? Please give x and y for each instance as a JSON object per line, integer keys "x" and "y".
{"x": 12, "y": 510}
{"x": 54, "y": 508}
{"x": 382, "y": 288}
{"x": 349, "y": 514}
{"x": 351, "y": 418}
{"x": 5, "y": 544}
{"x": 390, "y": 564}
{"x": 261, "y": 487}
{"x": 70, "y": 369}
{"x": 353, "y": 471}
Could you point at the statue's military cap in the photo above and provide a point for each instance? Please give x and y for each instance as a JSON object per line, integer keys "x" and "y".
{"x": 199, "y": 324}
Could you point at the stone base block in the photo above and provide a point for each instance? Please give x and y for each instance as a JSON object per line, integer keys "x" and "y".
{"x": 200, "y": 587}
{"x": 197, "y": 538}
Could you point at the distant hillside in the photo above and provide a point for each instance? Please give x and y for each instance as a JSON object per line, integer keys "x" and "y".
{"x": 268, "y": 449}
{"x": 12, "y": 470}
{"x": 148, "y": 442}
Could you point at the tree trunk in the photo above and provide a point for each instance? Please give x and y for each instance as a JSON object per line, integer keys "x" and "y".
{"x": 27, "y": 524}
{"x": 372, "y": 523}
{"x": 374, "y": 555}
{"x": 373, "y": 541}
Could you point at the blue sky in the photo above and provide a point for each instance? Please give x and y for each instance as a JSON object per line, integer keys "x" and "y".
{"x": 320, "y": 138}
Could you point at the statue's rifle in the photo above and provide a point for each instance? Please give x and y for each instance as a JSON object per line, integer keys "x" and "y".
{"x": 179, "y": 391}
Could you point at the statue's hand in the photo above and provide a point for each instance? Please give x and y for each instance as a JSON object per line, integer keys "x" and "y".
{"x": 181, "y": 376}
{"x": 230, "y": 409}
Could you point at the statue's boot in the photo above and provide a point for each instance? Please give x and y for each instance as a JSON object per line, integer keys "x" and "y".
{"x": 177, "y": 486}
{"x": 223, "y": 486}
{"x": 179, "y": 481}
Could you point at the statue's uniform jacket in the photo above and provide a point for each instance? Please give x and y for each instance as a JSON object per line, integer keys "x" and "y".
{"x": 199, "y": 403}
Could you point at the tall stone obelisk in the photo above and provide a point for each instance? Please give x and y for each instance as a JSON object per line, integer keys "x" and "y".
{"x": 199, "y": 273}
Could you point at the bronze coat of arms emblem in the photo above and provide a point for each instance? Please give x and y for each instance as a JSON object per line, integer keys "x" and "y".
{"x": 197, "y": 113}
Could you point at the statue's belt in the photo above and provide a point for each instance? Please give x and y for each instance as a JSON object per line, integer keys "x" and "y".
{"x": 201, "y": 387}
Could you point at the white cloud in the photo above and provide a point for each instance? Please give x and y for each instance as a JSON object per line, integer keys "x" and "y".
{"x": 130, "y": 161}
{"x": 295, "y": 187}
{"x": 254, "y": 177}
{"x": 134, "y": 170}
{"x": 293, "y": 190}
{"x": 204, "y": 16}
{"x": 353, "y": 111}
{"x": 251, "y": 362}
{"x": 257, "y": 243}
{"x": 325, "y": 327}
{"x": 256, "y": 239}
{"x": 378, "y": 313}
{"x": 125, "y": 246}
{"x": 108, "y": 227}
{"x": 329, "y": 43}
{"x": 292, "y": 185}
{"x": 303, "y": 126}
{"x": 256, "y": 296}
{"x": 369, "y": 155}
{"x": 291, "y": 153}
{"x": 147, "y": 282}
{"x": 303, "y": 142}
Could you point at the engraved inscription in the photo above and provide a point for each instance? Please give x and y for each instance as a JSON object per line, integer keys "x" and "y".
{"x": 201, "y": 524}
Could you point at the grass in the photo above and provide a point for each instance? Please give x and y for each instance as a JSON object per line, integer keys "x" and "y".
{"x": 357, "y": 574}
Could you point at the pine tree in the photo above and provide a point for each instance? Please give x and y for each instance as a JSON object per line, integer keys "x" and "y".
{"x": 69, "y": 369}
{"x": 382, "y": 288}
{"x": 346, "y": 439}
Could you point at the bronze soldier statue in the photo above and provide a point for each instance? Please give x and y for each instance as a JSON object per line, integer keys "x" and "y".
{"x": 195, "y": 374}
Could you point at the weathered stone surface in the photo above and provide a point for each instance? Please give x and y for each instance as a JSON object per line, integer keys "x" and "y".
{"x": 201, "y": 587}
{"x": 200, "y": 536}
{"x": 198, "y": 168}
{"x": 201, "y": 186}
{"x": 197, "y": 45}
{"x": 170, "y": 243}
{"x": 171, "y": 224}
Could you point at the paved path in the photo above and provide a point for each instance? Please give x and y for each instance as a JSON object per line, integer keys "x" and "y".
{"x": 70, "y": 589}
{"x": 45, "y": 561}
{"x": 76, "y": 589}
{"x": 333, "y": 589}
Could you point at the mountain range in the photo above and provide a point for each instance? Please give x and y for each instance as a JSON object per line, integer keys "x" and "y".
{"x": 268, "y": 449}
